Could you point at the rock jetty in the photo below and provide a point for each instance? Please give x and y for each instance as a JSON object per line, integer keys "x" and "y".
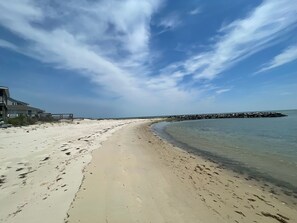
{"x": 227, "y": 115}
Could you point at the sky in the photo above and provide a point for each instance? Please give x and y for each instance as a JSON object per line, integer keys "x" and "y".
{"x": 125, "y": 58}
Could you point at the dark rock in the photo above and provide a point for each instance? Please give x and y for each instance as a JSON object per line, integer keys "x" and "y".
{"x": 227, "y": 115}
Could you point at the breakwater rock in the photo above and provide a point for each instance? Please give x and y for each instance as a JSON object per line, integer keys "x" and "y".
{"x": 227, "y": 115}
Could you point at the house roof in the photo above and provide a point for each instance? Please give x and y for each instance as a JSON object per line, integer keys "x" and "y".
{"x": 6, "y": 89}
{"x": 17, "y": 101}
{"x": 22, "y": 108}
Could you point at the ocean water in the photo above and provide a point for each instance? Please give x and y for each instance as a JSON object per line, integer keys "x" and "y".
{"x": 262, "y": 147}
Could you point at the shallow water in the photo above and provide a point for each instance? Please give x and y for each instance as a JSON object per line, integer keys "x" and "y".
{"x": 265, "y": 147}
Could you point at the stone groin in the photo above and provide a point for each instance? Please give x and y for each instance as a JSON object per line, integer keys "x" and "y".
{"x": 227, "y": 115}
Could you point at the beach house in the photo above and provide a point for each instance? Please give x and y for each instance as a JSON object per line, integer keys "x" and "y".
{"x": 16, "y": 108}
{"x": 4, "y": 95}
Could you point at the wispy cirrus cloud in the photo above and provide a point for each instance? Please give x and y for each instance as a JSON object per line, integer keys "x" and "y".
{"x": 221, "y": 91}
{"x": 195, "y": 11}
{"x": 105, "y": 41}
{"x": 170, "y": 22}
{"x": 8, "y": 45}
{"x": 90, "y": 37}
{"x": 286, "y": 56}
{"x": 242, "y": 38}
{"x": 108, "y": 42}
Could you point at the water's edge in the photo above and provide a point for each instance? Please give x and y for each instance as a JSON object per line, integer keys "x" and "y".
{"x": 238, "y": 167}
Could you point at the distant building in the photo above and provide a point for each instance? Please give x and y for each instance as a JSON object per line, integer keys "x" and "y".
{"x": 16, "y": 108}
{"x": 11, "y": 108}
{"x": 4, "y": 95}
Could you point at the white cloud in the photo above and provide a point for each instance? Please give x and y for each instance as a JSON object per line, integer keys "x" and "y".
{"x": 287, "y": 56}
{"x": 221, "y": 91}
{"x": 120, "y": 28}
{"x": 242, "y": 38}
{"x": 195, "y": 11}
{"x": 170, "y": 22}
{"x": 108, "y": 43}
{"x": 8, "y": 45}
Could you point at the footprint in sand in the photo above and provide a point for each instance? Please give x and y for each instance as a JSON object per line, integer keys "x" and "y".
{"x": 46, "y": 158}
{"x": 139, "y": 199}
{"x": 241, "y": 213}
{"x": 278, "y": 217}
{"x": 2, "y": 180}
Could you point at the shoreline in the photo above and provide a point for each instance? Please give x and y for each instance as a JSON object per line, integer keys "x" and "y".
{"x": 121, "y": 171}
{"x": 223, "y": 195}
{"x": 265, "y": 183}
{"x": 235, "y": 166}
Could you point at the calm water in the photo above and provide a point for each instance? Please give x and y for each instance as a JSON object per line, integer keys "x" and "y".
{"x": 264, "y": 147}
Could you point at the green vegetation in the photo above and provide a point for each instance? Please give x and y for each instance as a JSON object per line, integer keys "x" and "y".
{"x": 23, "y": 120}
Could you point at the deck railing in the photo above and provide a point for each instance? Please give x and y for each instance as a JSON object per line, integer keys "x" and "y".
{"x": 62, "y": 116}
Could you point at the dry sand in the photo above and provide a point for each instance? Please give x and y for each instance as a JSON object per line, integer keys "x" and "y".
{"x": 47, "y": 176}
{"x": 41, "y": 167}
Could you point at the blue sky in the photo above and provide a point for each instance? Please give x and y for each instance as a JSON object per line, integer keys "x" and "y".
{"x": 115, "y": 58}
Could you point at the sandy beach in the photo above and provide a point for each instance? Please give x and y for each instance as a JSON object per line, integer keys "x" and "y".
{"x": 41, "y": 167}
{"x": 120, "y": 171}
